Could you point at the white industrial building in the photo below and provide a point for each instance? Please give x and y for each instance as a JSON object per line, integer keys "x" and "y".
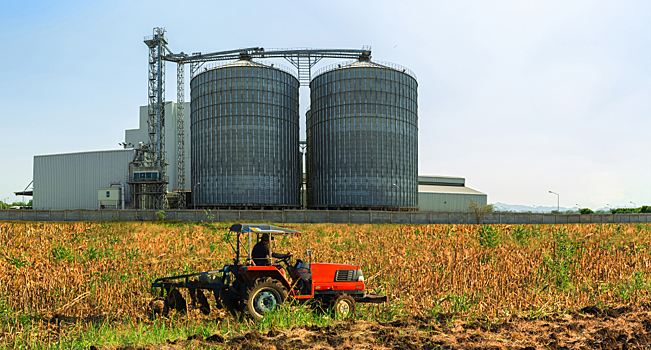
{"x": 447, "y": 194}
{"x": 133, "y": 137}
{"x": 74, "y": 180}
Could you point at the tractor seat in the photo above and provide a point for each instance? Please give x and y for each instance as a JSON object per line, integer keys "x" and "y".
{"x": 301, "y": 265}
{"x": 300, "y": 269}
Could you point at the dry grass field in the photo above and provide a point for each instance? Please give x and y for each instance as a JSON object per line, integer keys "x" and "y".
{"x": 66, "y": 285}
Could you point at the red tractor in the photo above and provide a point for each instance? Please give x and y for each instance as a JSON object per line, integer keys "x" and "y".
{"x": 256, "y": 290}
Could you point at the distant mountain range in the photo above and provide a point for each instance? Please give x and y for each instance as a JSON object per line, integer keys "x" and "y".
{"x": 499, "y": 206}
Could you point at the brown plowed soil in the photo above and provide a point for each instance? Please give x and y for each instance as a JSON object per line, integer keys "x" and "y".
{"x": 589, "y": 328}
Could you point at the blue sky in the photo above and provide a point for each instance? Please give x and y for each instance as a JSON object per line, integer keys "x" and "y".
{"x": 518, "y": 97}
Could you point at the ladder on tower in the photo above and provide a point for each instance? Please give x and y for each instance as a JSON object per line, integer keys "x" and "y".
{"x": 304, "y": 65}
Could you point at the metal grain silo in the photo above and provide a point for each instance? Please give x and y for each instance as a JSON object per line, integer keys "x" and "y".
{"x": 362, "y": 137}
{"x": 245, "y": 137}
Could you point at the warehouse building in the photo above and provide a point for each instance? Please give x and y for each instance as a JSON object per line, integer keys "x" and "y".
{"x": 81, "y": 180}
{"x": 447, "y": 194}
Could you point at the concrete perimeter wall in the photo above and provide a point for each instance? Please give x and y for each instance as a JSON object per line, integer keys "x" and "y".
{"x": 316, "y": 216}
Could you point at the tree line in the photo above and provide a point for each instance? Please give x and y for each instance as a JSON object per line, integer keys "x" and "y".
{"x": 15, "y": 204}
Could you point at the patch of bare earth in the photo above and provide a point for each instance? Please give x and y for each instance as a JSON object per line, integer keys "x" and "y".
{"x": 590, "y": 328}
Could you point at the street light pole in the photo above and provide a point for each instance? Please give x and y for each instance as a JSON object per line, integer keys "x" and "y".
{"x": 633, "y": 204}
{"x": 558, "y": 201}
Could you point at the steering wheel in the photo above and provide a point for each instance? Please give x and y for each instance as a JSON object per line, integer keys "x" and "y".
{"x": 285, "y": 260}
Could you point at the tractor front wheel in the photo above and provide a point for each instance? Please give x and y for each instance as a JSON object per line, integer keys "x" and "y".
{"x": 344, "y": 306}
{"x": 264, "y": 294}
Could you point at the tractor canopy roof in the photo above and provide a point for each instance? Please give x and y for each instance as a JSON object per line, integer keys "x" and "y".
{"x": 262, "y": 228}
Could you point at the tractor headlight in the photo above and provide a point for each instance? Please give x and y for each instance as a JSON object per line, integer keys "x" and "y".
{"x": 360, "y": 278}
{"x": 360, "y": 275}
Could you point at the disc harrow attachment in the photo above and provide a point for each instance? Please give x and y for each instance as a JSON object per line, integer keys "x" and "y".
{"x": 195, "y": 284}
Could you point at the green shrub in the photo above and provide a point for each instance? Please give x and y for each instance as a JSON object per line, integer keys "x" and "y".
{"x": 586, "y": 211}
{"x": 160, "y": 215}
{"x": 488, "y": 236}
{"x": 559, "y": 265}
{"x": 479, "y": 211}
{"x": 60, "y": 253}
{"x": 18, "y": 261}
{"x": 521, "y": 235}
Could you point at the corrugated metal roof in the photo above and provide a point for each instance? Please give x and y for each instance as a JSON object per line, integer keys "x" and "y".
{"x": 364, "y": 64}
{"x": 83, "y": 152}
{"x": 245, "y": 63}
{"x": 441, "y": 180}
{"x": 447, "y": 189}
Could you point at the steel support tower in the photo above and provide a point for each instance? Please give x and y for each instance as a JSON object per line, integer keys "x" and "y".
{"x": 152, "y": 193}
{"x": 180, "y": 134}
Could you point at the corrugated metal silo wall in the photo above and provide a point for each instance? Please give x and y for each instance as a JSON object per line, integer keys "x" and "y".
{"x": 245, "y": 137}
{"x": 363, "y": 138}
{"x": 71, "y": 180}
{"x": 308, "y": 161}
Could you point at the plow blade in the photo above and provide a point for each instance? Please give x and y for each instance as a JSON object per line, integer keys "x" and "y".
{"x": 174, "y": 300}
{"x": 199, "y": 301}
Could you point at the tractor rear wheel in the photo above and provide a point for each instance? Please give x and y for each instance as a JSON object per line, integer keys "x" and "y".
{"x": 344, "y": 306}
{"x": 263, "y": 295}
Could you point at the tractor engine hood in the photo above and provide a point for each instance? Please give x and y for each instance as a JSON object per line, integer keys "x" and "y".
{"x": 329, "y": 273}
